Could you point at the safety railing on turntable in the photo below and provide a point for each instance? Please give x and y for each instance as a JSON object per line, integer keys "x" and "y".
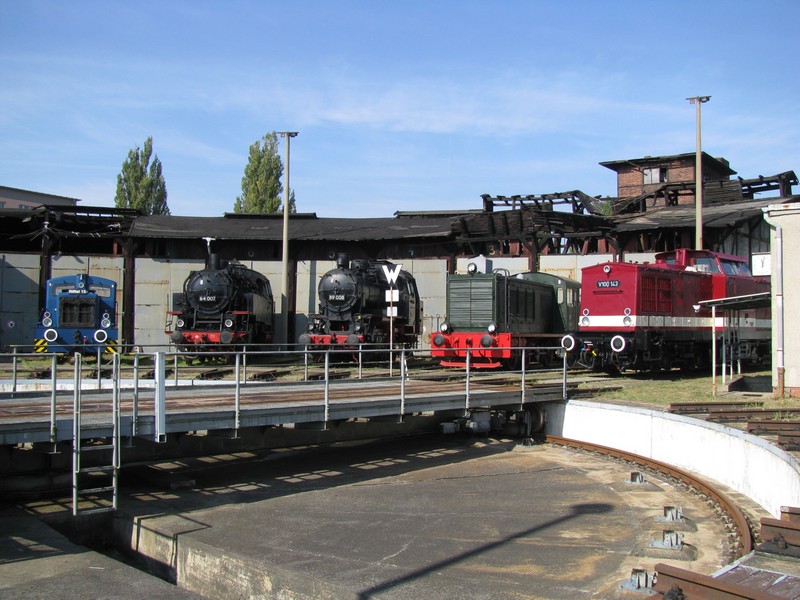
{"x": 24, "y": 372}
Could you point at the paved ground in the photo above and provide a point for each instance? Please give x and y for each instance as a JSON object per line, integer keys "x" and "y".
{"x": 431, "y": 517}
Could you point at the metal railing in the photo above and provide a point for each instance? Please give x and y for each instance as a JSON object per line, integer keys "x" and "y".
{"x": 141, "y": 373}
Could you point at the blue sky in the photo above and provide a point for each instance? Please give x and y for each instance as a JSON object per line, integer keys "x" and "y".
{"x": 406, "y": 105}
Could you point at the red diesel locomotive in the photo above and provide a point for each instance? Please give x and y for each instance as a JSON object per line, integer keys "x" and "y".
{"x": 647, "y": 316}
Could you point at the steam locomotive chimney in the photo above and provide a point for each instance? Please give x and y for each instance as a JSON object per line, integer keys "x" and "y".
{"x": 341, "y": 260}
{"x": 213, "y": 261}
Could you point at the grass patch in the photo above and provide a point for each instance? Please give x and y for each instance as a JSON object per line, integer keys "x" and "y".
{"x": 663, "y": 389}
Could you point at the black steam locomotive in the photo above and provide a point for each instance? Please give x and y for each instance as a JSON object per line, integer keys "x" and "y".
{"x": 221, "y": 307}
{"x": 365, "y": 302}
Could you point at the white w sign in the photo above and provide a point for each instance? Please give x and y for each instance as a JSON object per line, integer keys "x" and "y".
{"x": 391, "y": 276}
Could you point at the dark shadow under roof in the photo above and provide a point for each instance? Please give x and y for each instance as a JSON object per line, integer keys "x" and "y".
{"x": 301, "y": 227}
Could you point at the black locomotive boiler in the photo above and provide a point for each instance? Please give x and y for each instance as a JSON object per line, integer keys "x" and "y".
{"x": 365, "y": 302}
{"x": 222, "y": 307}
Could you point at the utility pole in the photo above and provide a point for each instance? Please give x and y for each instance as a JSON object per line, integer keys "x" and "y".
{"x": 698, "y": 173}
{"x": 285, "y": 253}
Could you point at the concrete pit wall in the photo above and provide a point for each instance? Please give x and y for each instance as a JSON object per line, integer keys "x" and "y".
{"x": 746, "y": 463}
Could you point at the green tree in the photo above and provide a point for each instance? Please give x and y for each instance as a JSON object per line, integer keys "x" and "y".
{"x": 141, "y": 184}
{"x": 262, "y": 191}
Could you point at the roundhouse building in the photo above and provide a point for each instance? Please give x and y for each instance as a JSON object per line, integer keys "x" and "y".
{"x": 150, "y": 256}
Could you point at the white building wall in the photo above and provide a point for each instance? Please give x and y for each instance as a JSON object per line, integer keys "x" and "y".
{"x": 787, "y": 216}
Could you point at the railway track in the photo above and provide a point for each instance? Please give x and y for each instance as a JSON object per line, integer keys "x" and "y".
{"x": 737, "y": 520}
{"x": 780, "y": 537}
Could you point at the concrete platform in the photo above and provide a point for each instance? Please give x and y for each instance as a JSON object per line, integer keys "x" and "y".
{"x": 38, "y": 563}
{"x": 430, "y": 517}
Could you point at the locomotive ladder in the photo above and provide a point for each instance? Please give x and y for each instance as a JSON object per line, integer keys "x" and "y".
{"x": 104, "y": 477}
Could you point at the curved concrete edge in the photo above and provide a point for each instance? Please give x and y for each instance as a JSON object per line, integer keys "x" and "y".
{"x": 746, "y": 463}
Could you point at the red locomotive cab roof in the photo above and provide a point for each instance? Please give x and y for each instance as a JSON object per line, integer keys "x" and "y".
{"x": 705, "y": 261}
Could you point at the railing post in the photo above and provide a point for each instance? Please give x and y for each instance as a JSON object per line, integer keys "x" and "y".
{"x": 99, "y": 368}
{"x": 466, "y": 385}
{"x": 135, "y": 424}
{"x": 175, "y": 366}
{"x": 237, "y": 397}
{"x": 305, "y": 364}
{"x": 327, "y": 385}
{"x": 402, "y": 383}
{"x": 564, "y": 386}
{"x": 160, "y": 417}
{"x": 360, "y": 360}
{"x": 14, "y": 371}
{"x": 76, "y": 432}
{"x": 53, "y": 385}
{"x": 522, "y": 378}
{"x": 117, "y": 423}
{"x": 244, "y": 363}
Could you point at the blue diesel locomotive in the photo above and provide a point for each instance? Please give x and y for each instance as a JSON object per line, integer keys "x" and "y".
{"x": 79, "y": 315}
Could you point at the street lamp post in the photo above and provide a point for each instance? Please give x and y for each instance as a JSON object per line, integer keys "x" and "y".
{"x": 698, "y": 172}
{"x": 285, "y": 252}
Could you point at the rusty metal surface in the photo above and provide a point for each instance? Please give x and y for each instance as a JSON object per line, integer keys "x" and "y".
{"x": 704, "y": 587}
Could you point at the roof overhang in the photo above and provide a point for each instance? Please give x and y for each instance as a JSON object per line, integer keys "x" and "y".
{"x": 760, "y": 300}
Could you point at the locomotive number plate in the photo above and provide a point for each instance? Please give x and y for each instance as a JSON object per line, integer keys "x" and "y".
{"x": 608, "y": 283}
{"x": 208, "y": 298}
{"x": 335, "y": 297}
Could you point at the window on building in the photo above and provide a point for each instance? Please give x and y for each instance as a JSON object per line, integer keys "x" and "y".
{"x": 654, "y": 175}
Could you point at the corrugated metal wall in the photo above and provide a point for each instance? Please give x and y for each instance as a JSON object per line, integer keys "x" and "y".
{"x": 19, "y": 299}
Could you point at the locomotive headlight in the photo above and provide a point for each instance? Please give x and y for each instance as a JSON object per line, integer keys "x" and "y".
{"x": 100, "y": 336}
{"x": 181, "y": 323}
{"x": 358, "y": 327}
{"x": 444, "y": 328}
{"x": 492, "y": 328}
{"x": 105, "y": 323}
{"x": 627, "y": 321}
{"x": 585, "y": 321}
{"x": 310, "y": 326}
{"x": 607, "y": 269}
{"x": 47, "y": 322}
{"x": 229, "y": 323}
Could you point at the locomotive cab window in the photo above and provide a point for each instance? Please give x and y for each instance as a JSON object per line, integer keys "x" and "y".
{"x": 730, "y": 267}
{"x": 706, "y": 264}
{"x": 77, "y": 312}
